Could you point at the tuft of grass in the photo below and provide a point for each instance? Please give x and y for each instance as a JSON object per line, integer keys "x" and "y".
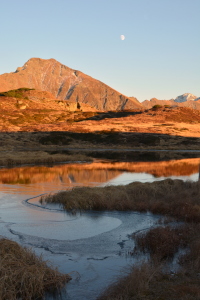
{"x": 191, "y": 259}
{"x": 163, "y": 242}
{"x": 149, "y": 282}
{"x": 25, "y": 276}
{"x": 174, "y": 198}
{"x": 136, "y": 285}
{"x": 153, "y": 279}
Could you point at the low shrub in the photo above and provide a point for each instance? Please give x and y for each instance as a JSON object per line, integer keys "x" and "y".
{"x": 55, "y": 138}
{"x": 157, "y": 106}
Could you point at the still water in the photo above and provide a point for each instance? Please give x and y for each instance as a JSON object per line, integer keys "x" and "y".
{"x": 94, "y": 244}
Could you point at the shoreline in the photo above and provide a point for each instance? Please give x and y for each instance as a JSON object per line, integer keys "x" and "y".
{"x": 64, "y": 155}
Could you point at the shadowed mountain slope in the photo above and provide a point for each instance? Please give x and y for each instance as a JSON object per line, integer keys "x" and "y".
{"x": 66, "y": 84}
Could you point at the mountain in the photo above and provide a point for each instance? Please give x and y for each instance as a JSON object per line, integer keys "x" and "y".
{"x": 66, "y": 84}
{"x": 185, "y": 97}
{"x": 185, "y": 100}
{"x": 150, "y": 103}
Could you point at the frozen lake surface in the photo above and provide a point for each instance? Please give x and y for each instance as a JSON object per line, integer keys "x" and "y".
{"x": 94, "y": 244}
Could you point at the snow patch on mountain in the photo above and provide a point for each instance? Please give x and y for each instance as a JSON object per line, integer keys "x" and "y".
{"x": 185, "y": 97}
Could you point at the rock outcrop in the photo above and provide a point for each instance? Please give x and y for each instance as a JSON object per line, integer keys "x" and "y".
{"x": 66, "y": 84}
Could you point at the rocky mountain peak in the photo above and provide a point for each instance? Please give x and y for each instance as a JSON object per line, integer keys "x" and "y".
{"x": 66, "y": 84}
{"x": 185, "y": 97}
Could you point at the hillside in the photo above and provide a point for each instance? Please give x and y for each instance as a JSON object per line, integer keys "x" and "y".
{"x": 50, "y": 125}
{"x": 24, "y": 108}
{"x": 66, "y": 84}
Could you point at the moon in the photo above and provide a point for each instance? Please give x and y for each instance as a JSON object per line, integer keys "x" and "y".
{"x": 122, "y": 37}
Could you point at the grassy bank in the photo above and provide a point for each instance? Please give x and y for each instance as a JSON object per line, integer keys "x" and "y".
{"x": 78, "y": 138}
{"x": 168, "y": 197}
{"x": 152, "y": 279}
{"x": 9, "y": 159}
{"x": 25, "y": 276}
{"x": 156, "y": 278}
{"x": 150, "y": 282}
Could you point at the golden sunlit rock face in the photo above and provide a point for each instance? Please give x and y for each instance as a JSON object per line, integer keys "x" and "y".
{"x": 64, "y": 99}
{"x": 66, "y": 84}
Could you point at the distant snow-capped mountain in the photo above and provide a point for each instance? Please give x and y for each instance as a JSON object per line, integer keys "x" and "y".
{"x": 185, "y": 100}
{"x": 185, "y": 97}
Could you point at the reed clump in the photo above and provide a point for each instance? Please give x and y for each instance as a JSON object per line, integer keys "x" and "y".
{"x": 174, "y": 198}
{"x": 191, "y": 259}
{"x": 163, "y": 242}
{"x": 134, "y": 285}
{"x": 150, "y": 282}
{"x": 153, "y": 279}
{"x": 25, "y": 276}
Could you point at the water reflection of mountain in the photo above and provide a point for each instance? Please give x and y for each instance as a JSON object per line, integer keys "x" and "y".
{"x": 97, "y": 172}
{"x": 59, "y": 174}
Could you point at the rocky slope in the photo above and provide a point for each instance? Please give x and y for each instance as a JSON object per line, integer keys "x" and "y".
{"x": 66, "y": 84}
{"x": 25, "y": 107}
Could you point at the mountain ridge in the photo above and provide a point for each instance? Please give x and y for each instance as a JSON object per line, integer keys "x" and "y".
{"x": 66, "y": 84}
{"x": 184, "y": 100}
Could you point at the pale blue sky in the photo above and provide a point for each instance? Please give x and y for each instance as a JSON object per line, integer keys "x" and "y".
{"x": 160, "y": 56}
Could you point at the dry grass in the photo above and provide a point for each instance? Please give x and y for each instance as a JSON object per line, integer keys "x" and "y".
{"x": 191, "y": 259}
{"x": 54, "y": 116}
{"x": 135, "y": 285}
{"x": 76, "y": 137}
{"x": 153, "y": 279}
{"x": 150, "y": 282}
{"x": 174, "y": 198}
{"x": 25, "y": 276}
{"x": 163, "y": 242}
{"x": 37, "y": 157}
